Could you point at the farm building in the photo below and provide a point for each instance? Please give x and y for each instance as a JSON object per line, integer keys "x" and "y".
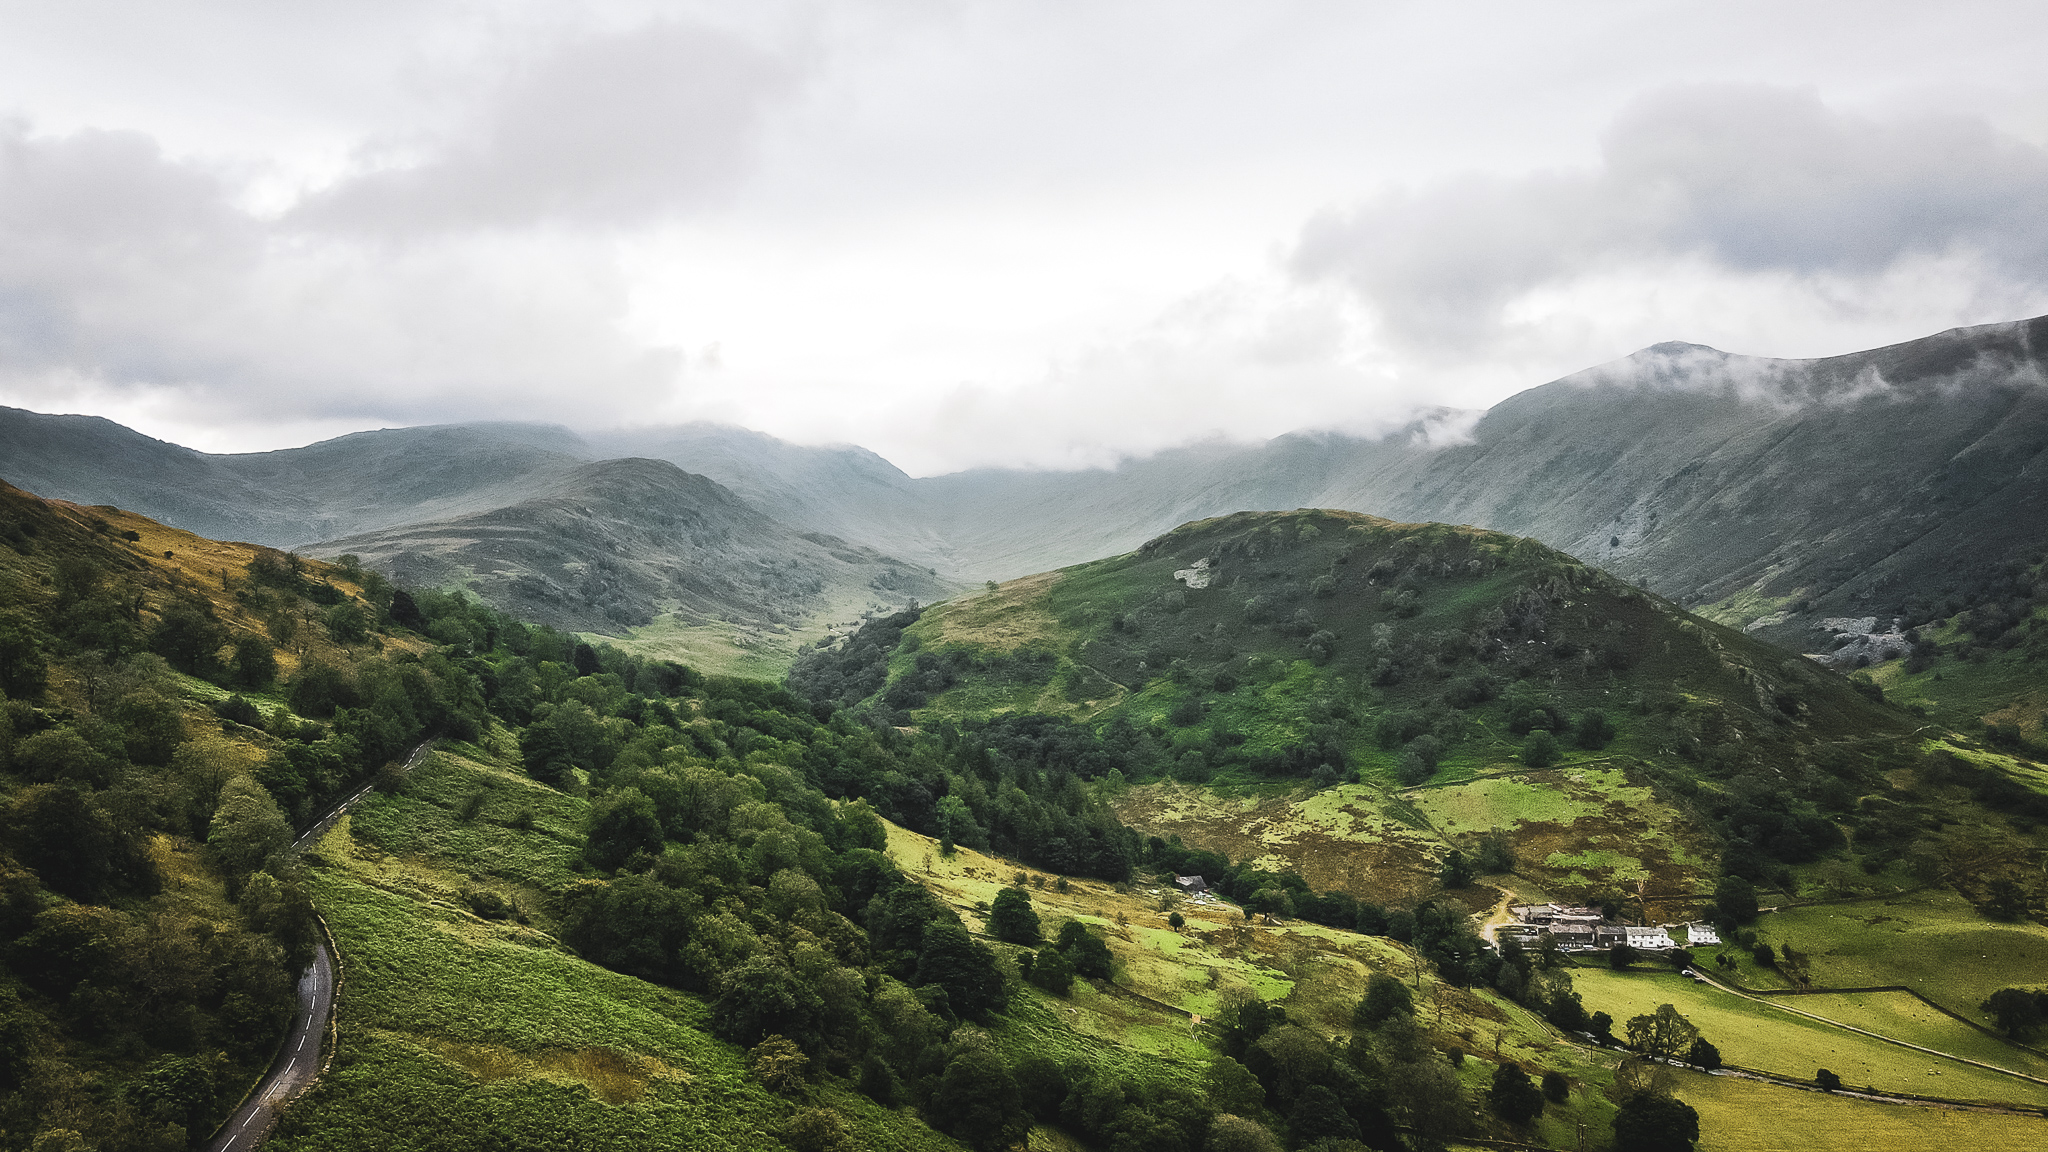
{"x": 1192, "y": 885}
{"x": 1699, "y": 935}
{"x": 1649, "y": 939}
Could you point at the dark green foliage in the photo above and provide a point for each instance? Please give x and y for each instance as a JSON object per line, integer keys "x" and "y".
{"x": 2020, "y": 1012}
{"x": 1494, "y": 855}
{"x": 621, "y": 824}
{"x": 1593, "y": 730}
{"x": 1318, "y": 1115}
{"x": 964, "y": 967}
{"x": 73, "y": 844}
{"x": 1457, "y": 870}
{"x": 1084, "y": 950}
{"x": 879, "y": 1082}
{"x": 188, "y": 636}
{"x": 635, "y": 924}
{"x": 1052, "y": 971}
{"x": 23, "y": 671}
{"x": 1621, "y": 956}
{"x": 1384, "y": 998}
{"x": 1827, "y": 1081}
{"x": 1011, "y": 918}
{"x": 1556, "y": 1088}
{"x": 240, "y": 711}
{"x": 1703, "y": 1055}
{"x": 857, "y": 669}
{"x": 1540, "y": 749}
{"x": 178, "y": 1090}
{"x": 1654, "y": 1122}
{"x": 255, "y": 662}
{"x": 763, "y": 997}
{"x": 977, "y": 1101}
{"x": 1513, "y": 1096}
{"x": 1735, "y": 899}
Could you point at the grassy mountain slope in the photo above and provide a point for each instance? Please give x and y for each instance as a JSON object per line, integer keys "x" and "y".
{"x": 461, "y": 1031}
{"x": 148, "y": 939}
{"x": 1403, "y": 670}
{"x": 288, "y": 498}
{"x": 614, "y": 545}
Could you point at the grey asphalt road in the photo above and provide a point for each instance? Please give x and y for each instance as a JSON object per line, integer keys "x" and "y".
{"x": 298, "y": 1059}
{"x": 296, "y": 1065}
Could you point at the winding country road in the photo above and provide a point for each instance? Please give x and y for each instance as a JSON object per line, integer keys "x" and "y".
{"x": 297, "y": 1063}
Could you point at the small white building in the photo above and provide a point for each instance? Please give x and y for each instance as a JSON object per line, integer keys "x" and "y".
{"x": 1649, "y": 939}
{"x": 1699, "y": 935}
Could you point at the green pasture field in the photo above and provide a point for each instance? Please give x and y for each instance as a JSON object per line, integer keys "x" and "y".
{"x": 1744, "y": 1116}
{"x": 459, "y": 1033}
{"x": 1932, "y": 941}
{"x": 1757, "y": 1036}
{"x": 1906, "y": 1017}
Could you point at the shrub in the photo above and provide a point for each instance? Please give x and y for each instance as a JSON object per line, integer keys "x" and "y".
{"x": 1513, "y": 1096}
{"x": 1011, "y": 918}
{"x": 1540, "y": 749}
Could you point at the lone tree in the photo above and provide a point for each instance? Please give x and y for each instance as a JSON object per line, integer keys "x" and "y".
{"x": 1827, "y": 1081}
{"x": 1703, "y": 1055}
{"x": 1384, "y": 997}
{"x": 1663, "y": 1034}
{"x": 1457, "y": 870}
{"x": 1011, "y": 918}
{"x": 1540, "y": 749}
{"x": 1621, "y": 956}
{"x": 1514, "y": 1097}
{"x": 2019, "y": 1011}
{"x": 1654, "y": 1122}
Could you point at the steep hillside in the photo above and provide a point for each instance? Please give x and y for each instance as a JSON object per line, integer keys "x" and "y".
{"x": 623, "y": 544}
{"x": 1470, "y": 683}
{"x": 169, "y": 707}
{"x": 289, "y": 498}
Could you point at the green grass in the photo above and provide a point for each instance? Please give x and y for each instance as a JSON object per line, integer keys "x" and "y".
{"x": 458, "y": 1033}
{"x": 1933, "y": 942}
{"x": 1758, "y": 1036}
{"x": 1741, "y": 1116}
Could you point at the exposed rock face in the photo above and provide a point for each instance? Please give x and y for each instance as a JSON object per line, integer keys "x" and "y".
{"x": 1196, "y": 577}
{"x": 1856, "y": 642}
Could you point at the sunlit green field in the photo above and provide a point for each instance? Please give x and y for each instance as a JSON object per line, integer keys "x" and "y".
{"x": 1759, "y": 1036}
{"x": 1934, "y": 942}
{"x": 1736, "y": 1116}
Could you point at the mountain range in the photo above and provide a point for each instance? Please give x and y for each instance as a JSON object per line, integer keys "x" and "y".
{"x": 1768, "y": 494}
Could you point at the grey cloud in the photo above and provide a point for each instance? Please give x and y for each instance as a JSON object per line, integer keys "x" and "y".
{"x": 1752, "y": 179}
{"x": 125, "y": 273}
{"x": 100, "y": 236}
{"x": 612, "y": 129}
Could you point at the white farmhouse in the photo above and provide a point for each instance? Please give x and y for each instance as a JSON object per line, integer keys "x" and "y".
{"x": 1649, "y": 939}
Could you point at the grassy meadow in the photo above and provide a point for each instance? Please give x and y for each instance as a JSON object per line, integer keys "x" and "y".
{"x": 1766, "y": 1038}
{"x": 1932, "y": 941}
{"x": 1741, "y": 1116}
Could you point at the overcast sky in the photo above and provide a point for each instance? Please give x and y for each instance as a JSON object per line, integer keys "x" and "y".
{"x": 1037, "y": 233}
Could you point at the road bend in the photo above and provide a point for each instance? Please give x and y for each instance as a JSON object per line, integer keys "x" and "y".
{"x": 297, "y": 1063}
